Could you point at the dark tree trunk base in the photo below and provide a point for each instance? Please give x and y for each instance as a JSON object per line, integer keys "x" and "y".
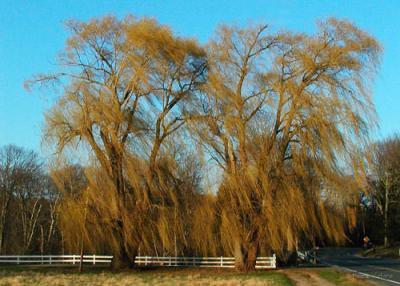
{"x": 123, "y": 261}
{"x": 246, "y": 260}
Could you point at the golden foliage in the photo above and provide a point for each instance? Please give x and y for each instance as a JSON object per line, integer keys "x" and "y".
{"x": 284, "y": 116}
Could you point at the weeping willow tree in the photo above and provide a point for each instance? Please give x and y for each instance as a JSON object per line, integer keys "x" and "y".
{"x": 124, "y": 84}
{"x": 285, "y": 115}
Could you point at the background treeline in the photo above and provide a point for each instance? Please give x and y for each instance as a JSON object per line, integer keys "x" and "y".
{"x": 252, "y": 143}
{"x": 29, "y": 203}
{"x": 379, "y": 208}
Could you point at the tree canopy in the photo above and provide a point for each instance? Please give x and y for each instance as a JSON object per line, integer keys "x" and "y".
{"x": 284, "y": 115}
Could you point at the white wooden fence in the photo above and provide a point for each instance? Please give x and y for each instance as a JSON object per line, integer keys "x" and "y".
{"x": 221, "y": 262}
{"x": 54, "y": 259}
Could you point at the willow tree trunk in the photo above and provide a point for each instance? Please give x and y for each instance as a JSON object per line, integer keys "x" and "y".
{"x": 122, "y": 257}
{"x": 252, "y": 253}
{"x": 246, "y": 254}
{"x": 123, "y": 260}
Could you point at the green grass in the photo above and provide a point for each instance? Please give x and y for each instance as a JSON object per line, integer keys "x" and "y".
{"x": 332, "y": 276}
{"x": 339, "y": 278}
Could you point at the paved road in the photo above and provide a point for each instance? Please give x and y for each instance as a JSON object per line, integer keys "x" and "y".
{"x": 382, "y": 270}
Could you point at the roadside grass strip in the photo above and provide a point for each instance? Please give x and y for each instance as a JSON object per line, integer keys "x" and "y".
{"x": 341, "y": 278}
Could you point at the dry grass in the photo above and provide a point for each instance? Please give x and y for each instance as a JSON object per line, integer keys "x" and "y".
{"x": 190, "y": 276}
{"x": 53, "y": 277}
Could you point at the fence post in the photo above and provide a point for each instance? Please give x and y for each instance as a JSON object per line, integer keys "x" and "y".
{"x": 41, "y": 258}
{"x": 50, "y": 259}
{"x": 17, "y": 259}
{"x": 94, "y": 259}
{"x": 170, "y": 261}
{"x": 145, "y": 260}
{"x": 222, "y": 261}
{"x": 274, "y": 260}
{"x": 73, "y": 259}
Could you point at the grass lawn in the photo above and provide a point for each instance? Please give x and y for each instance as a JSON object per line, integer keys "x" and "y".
{"x": 46, "y": 276}
{"x": 42, "y": 275}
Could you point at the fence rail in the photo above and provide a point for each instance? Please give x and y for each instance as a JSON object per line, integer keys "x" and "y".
{"x": 54, "y": 259}
{"x": 221, "y": 262}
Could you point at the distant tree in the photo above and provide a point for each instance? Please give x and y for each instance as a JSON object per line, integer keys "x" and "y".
{"x": 385, "y": 184}
{"x": 21, "y": 193}
{"x": 49, "y": 228}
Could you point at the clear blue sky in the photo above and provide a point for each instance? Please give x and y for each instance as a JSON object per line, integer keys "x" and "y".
{"x": 32, "y": 33}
